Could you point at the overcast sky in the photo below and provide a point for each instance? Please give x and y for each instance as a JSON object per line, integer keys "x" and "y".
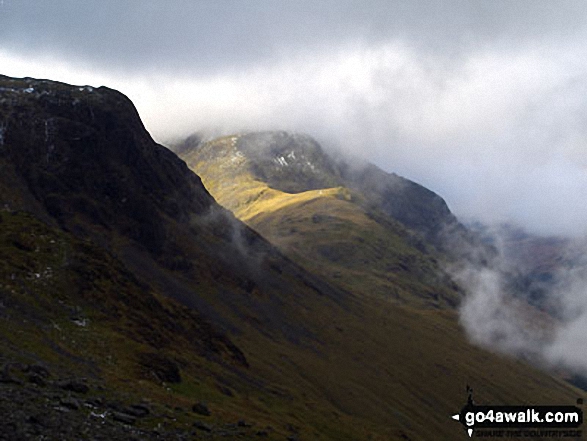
{"x": 481, "y": 101}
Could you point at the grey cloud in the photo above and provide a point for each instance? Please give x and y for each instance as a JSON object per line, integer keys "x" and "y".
{"x": 493, "y": 318}
{"x": 209, "y": 36}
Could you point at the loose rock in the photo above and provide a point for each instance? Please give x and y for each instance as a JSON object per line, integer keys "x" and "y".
{"x": 202, "y": 426}
{"x": 201, "y": 409}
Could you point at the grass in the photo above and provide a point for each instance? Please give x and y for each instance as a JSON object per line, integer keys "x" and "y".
{"x": 88, "y": 283}
{"x": 40, "y": 309}
{"x": 372, "y": 370}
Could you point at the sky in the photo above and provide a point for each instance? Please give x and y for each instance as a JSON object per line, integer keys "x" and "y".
{"x": 483, "y": 102}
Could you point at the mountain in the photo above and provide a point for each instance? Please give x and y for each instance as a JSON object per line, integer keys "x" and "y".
{"x": 133, "y": 305}
{"x": 386, "y": 239}
{"x": 356, "y": 225}
{"x": 108, "y": 228}
{"x": 295, "y": 163}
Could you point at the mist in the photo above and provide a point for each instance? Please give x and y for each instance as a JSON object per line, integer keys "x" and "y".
{"x": 548, "y": 332}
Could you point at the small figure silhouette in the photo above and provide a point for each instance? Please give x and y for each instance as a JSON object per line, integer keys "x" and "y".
{"x": 470, "y": 396}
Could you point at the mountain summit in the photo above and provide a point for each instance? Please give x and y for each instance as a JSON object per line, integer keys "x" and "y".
{"x": 357, "y": 221}
{"x": 294, "y": 163}
{"x": 85, "y": 157}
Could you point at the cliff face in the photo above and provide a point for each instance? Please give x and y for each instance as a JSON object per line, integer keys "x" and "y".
{"x": 86, "y": 198}
{"x": 84, "y": 152}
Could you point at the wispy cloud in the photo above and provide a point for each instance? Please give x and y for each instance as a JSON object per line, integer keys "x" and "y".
{"x": 497, "y": 315}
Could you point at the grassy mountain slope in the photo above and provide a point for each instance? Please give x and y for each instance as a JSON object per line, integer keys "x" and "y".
{"x": 335, "y": 231}
{"x": 125, "y": 287}
{"x": 340, "y": 232}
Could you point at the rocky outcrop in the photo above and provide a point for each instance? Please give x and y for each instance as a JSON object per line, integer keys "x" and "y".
{"x": 84, "y": 151}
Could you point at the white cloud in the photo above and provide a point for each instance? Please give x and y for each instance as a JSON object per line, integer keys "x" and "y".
{"x": 496, "y": 320}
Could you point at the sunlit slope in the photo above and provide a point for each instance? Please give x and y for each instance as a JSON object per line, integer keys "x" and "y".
{"x": 331, "y": 231}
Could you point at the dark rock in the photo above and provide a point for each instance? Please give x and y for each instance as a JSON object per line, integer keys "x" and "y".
{"x": 43, "y": 420}
{"x": 262, "y": 433}
{"x": 123, "y": 418}
{"x": 160, "y": 367}
{"x": 95, "y": 402}
{"x": 70, "y": 403}
{"x": 101, "y": 162}
{"x": 34, "y": 419}
{"x": 74, "y": 386}
{"x": 114, "y": 405}
{"x": 243, "y": 423}
{"x": 137, "y": 410}
{"x": 201, "y": 409}
{"x": 202, "y": 426}
{"x": 7, "y": 376}
{"x": 39, "y": 370}
{"x": 37, "y": 379}
{"x": 226, "y": 391}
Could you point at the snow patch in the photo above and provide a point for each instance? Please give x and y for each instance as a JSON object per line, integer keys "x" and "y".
{"x": 237, "y": 157}
{"x": 83, "y": 322}
{"x": 281, "y": 161}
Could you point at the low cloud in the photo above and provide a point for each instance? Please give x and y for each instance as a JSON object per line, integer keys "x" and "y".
{"x": 568, "y": 345}
{"x": 551, "y": 334}
{"x": 494, "y": 319}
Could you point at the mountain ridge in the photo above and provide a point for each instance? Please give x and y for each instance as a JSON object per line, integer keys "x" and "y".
{"x": 273, "y": 155}
{"x": 288, "y": 173}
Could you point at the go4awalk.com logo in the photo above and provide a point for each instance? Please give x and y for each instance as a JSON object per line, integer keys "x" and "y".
{"x": 520, "y": 421}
